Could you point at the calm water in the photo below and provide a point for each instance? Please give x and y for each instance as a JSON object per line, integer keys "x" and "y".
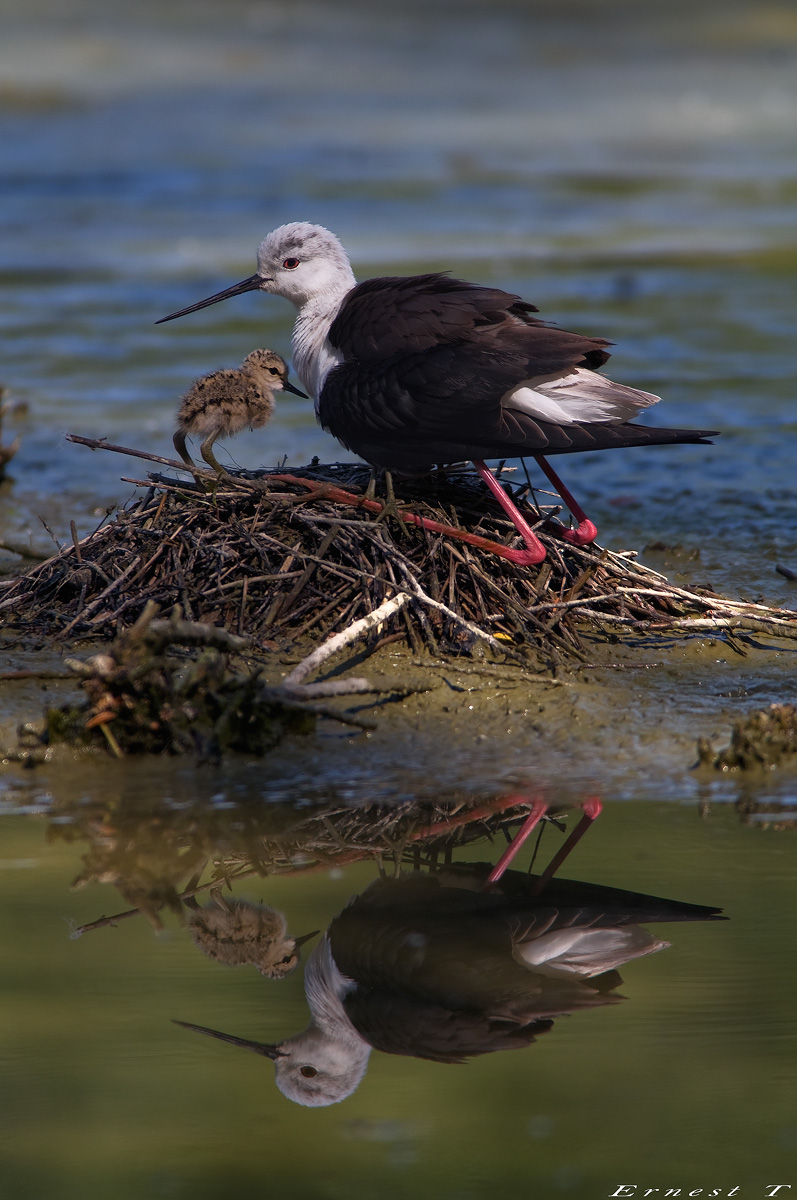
{"x": 688, "y": 1079}
{"x": 632, "y": 171}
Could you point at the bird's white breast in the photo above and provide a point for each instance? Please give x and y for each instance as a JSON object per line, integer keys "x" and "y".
{"x": 313, "y": 355}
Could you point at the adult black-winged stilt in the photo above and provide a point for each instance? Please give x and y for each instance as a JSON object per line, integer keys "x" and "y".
{"x": 409, "y": 372}
{"x": 226, "y": 402}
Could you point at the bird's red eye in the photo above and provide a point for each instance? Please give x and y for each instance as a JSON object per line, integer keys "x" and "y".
{"x": 290, "y": 264}
{"x": 308, "y": 1072}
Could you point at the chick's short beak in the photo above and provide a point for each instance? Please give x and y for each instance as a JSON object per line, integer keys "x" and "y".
{"x": 305, "y": 937}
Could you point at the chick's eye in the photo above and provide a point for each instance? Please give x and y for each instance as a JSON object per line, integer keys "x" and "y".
{"x": 308, "y": 1072}
{"x": 290, "y": 264}
{"x": 287, "y": 959}
{"x": 274, "y": 371}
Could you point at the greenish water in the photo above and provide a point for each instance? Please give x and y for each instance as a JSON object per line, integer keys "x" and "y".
{"x": 688, "y": 1081}
{"x": 631, "y": 169}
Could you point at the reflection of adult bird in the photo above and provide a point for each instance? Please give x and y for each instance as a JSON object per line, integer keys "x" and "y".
{"x": 433, "y": 967}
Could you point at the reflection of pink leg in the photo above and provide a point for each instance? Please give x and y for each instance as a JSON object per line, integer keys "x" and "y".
{"x": 592, "y": 809}
{"x": 538, "y": 810}
{"x": 535, "y": 551}
{"x": 586, "y": 531}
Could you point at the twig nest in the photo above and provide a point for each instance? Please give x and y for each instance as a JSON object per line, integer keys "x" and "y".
{"x": 288, "y": 558}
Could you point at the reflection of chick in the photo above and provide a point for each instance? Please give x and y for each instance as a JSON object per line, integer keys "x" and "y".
{"x": 235, "y": 932}
{"x": 226, "y": 402}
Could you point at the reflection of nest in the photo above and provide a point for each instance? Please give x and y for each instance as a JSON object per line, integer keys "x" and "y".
{"x": 407, "y": 833}
{"x": 767, "y": 815}
{"x": 287, "y": 556}
{"x": 148, "y": 855}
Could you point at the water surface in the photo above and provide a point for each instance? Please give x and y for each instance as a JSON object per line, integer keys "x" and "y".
{"x": 632, "y": 171}
{"x": 688, "y": 1079}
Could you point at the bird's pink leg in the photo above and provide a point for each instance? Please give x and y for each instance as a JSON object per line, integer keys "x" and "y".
{"x": 538, "y": 810}
{"x": 586, "y": 531}
{"x": 592, "y": 809}
{"x": 535, "y": 551}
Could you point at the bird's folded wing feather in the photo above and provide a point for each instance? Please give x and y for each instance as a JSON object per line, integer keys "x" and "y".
{"x": 443, "y": 406}
{"x": 397, "y": 1023}
{"x": 428, "y": 355}
{"x": 438, "y": 370}
{"x": 387, "y": 316}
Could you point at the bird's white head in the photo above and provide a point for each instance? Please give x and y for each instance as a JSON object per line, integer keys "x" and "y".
{"x": 316, "y": 1070}
{"x": 313, "y": 1068}
{"x": 303, "y": 262}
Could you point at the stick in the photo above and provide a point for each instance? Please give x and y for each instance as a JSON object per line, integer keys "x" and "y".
{"x": 421, "y": 595}
{"x": 354, "y": 631}
{"x": 332, "y": 687}
{"x": 75, "y": 542}
{"x": 193, "y": 633}
{"x": 102, "y": 596}
{"x": 24, "y": 551}
{"x": 101, "y": 444}
{"x": 32, "y": 674}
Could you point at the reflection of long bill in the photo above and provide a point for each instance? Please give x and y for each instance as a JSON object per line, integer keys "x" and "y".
{"x": 265, "y": 1048}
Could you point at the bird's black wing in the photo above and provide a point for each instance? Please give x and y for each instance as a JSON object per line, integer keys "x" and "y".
{"x": 399, "y": 315}
{"x": 564, "y": 899}
{"x": 444, "y": 405}
{"x": 426, "y": 362}
{"x": 397, "y": 1023}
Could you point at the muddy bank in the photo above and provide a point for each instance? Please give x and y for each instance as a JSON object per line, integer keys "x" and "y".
{"x": 584, "y": 672}
{"x": 624, "y": 725}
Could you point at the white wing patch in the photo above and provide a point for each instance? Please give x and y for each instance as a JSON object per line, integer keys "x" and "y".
{"x": 581, "y": 395}
{"x": 585, "y": 951}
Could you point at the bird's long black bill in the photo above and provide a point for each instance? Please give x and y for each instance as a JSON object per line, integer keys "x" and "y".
{"x": 267, "y": 1049}
{"x": 288, "y": 387}
{"x": 246, "y": 285}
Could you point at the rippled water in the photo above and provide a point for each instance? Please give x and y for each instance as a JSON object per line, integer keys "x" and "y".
{"x": 631, "y": 169}
{"x": 633, "y": 174}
